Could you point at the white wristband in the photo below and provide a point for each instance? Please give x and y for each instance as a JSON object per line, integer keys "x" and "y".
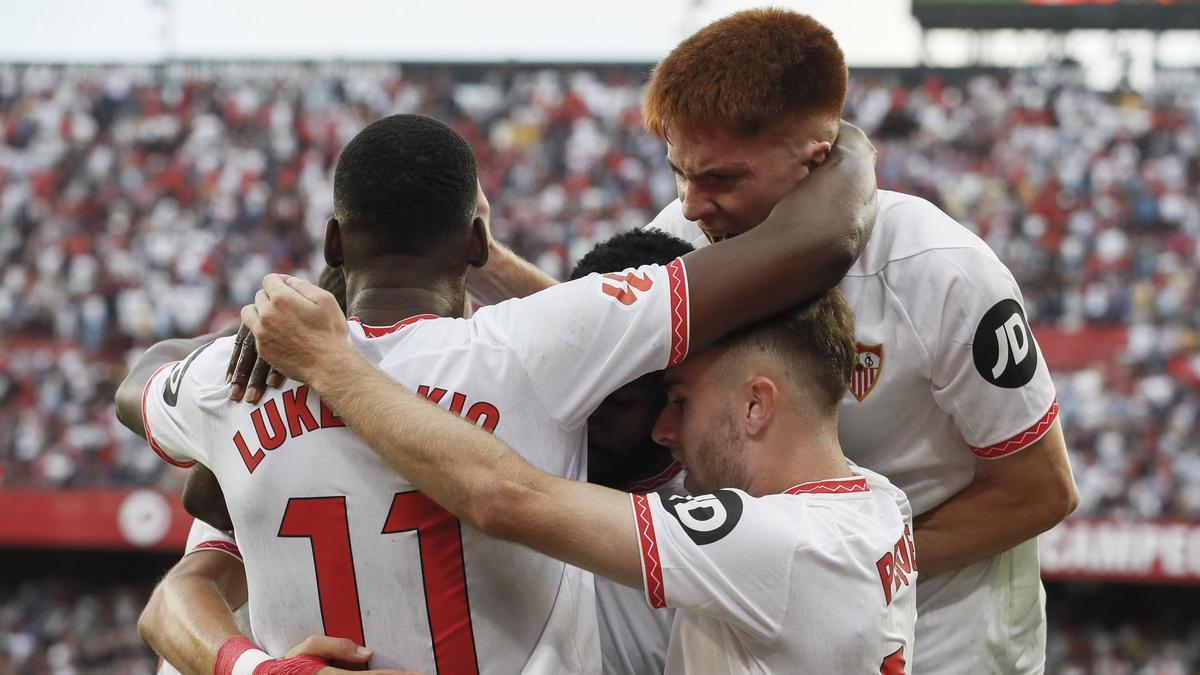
{"x": 248, "y": 661}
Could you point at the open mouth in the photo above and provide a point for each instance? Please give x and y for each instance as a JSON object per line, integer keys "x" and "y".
{"x": 717, "y": 237}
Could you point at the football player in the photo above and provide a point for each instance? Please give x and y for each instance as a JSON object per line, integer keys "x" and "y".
{"x": 332, "y": 541}
{"x": 951, "y": 398}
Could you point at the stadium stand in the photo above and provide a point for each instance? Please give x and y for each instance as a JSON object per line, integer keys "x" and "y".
{"x": 140, "y": 203}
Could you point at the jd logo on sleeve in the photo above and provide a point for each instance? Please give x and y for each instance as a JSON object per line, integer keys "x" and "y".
{"x": 1004, "y": 351}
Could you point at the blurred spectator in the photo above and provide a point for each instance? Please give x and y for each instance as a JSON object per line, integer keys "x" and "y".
{"x": 143, "y": 203}
{"x": 70, "y": 626}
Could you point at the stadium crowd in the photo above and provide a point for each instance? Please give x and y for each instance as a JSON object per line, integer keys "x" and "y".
{"x": 138, "y": 204}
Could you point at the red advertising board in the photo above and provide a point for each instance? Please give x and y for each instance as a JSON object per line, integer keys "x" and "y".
{"x": 93, "y": 519}
{"x": 1159, "y": 552}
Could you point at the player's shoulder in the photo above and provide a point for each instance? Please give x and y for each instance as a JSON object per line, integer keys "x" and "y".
{"x": 909, "y": 228}
{"x": 205, "y": 366}
{"x": 729, "y": 513}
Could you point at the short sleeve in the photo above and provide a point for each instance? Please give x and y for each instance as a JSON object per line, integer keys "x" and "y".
{"x": 671, "y": 221}
{"x": 726, "y": 555}
{"x": 179, "y": 403}
{"x": 580, "y": 340}
{"x": 205, "y": 537}
{"x": 987, "y": 370}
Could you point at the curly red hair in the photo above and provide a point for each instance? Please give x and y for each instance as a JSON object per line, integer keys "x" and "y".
{"x": 746, "y": 72}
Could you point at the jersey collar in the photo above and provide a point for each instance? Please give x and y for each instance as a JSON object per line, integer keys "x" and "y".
{"x": 380, "y": 331}
{"x": 829, "y": 487}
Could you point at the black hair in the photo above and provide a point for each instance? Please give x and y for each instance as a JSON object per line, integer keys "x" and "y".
{"x": 631, "y": 249}
{"x": 406, "y": 182}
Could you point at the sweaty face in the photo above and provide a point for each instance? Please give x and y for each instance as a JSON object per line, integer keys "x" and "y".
{"x": 699, "y": 427}
{"x": 729, "y": 184}
{"x": 619, "y": 442}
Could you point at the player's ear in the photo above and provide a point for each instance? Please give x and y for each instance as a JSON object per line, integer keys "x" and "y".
{"x": 333, "y": 243}
{"x": 762, "y": 397}
{"x": 477, "y": 247}
{"x": 818, "y": 152}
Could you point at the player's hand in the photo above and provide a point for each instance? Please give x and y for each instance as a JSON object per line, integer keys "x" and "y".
{"x": 852, "y": 142}
{"x": 338, "y": 650}
{"x": 249, "y": 375}
{"x": 297, "y": 326}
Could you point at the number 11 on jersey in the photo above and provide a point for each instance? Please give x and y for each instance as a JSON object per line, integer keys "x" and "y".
{"x": 324, "y": 522}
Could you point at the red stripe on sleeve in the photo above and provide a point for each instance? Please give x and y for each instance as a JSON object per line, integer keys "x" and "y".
{"x": 1022, "y": 440}
{"x": 680, "y": 317}
{"x": 651, "y": 566}
{"x": 146, "y": 424}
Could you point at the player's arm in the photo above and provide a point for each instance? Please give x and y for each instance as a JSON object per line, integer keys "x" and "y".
{"x": 989, "y": 375}
{"x": 203, "y": 498}
{"x": 189, "y": 621}
{"x": 1011, "y": 500}
{"x": 471, "y": 473}
{"x": 505, "y": 276}
{"x": 129, "y": 393}
{"x": 190, "y": 614}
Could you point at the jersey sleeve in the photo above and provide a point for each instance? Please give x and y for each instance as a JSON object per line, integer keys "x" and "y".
{"x": 580, "y": 340}
{"x": 180, "y": 401}
{"x": 725, "y": 555}
{"x": 988, "y": 373}
{"x": 205, "y": 537}
{"x": 671, "y": 221}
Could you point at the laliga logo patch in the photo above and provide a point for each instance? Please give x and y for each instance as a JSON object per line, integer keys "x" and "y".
{"x": 625, "y": 287}
{"x": 707, "y": 518}
{"x": 1004, "y": 351}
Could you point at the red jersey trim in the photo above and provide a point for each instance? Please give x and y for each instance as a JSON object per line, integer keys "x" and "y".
{"x": 146, "y": 424}
{"x": 830, "y": 487}
{"x": 380, "y": 331}
{"x": 680, "y": 311}
{"x": 643, "y": 520}
{"x": 218, "y": 545}
{"x": 1022, "y": 440}
{"x": 658, "y": 480}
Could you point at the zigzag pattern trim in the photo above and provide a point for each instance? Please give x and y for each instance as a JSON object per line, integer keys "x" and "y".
{"x": 217, "y": 545}
{"x": 680, "y": 317}
{"x": 651, "y": 567}
{"x": 830, "y": 487}
{"x": 1022, "y": 440}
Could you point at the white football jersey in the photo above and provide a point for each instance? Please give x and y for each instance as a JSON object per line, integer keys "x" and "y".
{"x": 205, "y": 537}
{"x": 817, "y": 579}
{"x": 634, "y": 635}
{"x": 335, "y": 542}
{"x": 947, "y": 372}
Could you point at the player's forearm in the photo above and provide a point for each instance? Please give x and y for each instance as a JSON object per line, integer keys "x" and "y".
{"x": 505, "y": 276}
{"x": 1005, "y": 505}
{"x": 187, "y": 620}
{"x": 478, "y": 477}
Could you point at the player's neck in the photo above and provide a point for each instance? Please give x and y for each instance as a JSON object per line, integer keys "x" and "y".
{"x": 803, "y": 454}
{"x": 382, "y": 299}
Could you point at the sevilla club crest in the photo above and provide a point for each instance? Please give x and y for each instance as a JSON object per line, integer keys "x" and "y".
{"x": 868, "y": 365}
